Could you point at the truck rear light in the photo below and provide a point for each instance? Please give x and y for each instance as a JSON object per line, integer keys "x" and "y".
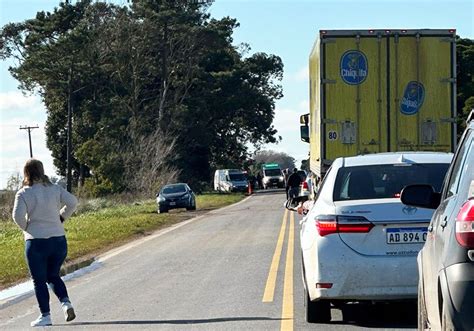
{"x": 329, "y": 224}
{"x": 465, "y": 225}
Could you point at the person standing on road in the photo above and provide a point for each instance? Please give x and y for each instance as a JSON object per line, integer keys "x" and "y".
{"x": 259, "y": 180}
{"x": 293, "y": 185}
{"x": 40, "y": 209}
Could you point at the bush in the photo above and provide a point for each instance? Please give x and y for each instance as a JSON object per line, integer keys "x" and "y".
{"x": 87, "y": 204}
{"x": 6, "y": 205}
{"x": 91, "y": 189}
{"x": 200, "y": 186}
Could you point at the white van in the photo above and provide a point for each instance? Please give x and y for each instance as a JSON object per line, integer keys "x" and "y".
{"x": 272, "y": 176}
{"x": 230, "y": 180}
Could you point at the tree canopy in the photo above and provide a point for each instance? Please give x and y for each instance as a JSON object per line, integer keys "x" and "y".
{"x": 141, "y": 79}
{"x": 269, "y": 156}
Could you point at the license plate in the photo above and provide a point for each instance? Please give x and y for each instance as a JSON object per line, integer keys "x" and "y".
{"x": 406, "y": 235}
{"x": 172, "y": 203}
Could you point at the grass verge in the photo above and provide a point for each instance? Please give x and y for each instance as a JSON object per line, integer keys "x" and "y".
{"x": 95, "y": 232}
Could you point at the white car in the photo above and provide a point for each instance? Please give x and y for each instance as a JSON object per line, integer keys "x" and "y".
{"x": 358, "y": 241}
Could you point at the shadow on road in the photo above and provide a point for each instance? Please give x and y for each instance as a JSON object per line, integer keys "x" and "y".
{"x": 184, "y": 322}
{"x": 393, "y": 315}
{"x": 270, "y": 191}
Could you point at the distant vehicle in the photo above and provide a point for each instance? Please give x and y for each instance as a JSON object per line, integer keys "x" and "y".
{"x": 358, "y": 241}
{"x": 174, "y": 196}
{"x": 446, "y": 262}
{"x": 305, "y": 190}
{"x": 377, "y": 91}
{"x": 272, "y": 176}
{"x": 230, "y": 180}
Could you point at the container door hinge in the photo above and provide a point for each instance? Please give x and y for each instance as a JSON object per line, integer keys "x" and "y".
{"x": 448, "y": 40}
{"x": 448, "y": 120}
{"x": 448, "y": 80}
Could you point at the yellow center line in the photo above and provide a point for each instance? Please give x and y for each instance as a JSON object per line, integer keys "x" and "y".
{"x": 272, "y": 274}
{"x": 287, "y": 309}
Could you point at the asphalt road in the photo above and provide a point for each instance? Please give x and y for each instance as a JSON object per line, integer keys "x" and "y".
{"x": 232, "y": 269}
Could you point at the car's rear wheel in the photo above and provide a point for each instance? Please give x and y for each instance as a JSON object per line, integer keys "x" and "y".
{"x": 192, "y": 206}
{"x": 162, "y": 210}
{"x": 422, "y": 319}
{"x": 317, "y": 311}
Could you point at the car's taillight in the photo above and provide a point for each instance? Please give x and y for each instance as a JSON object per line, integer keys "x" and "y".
{"x": 328, "y": 224}
{"x": 465, "y": 225}
{"x": 305, "y": 185}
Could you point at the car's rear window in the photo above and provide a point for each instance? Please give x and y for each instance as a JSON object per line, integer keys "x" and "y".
{"x": 386, "y": 180}
{"x": 174, "y": 189}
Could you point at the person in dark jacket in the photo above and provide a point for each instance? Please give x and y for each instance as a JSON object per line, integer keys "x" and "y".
{"x": 259, "y": 180}
{"x": 293, "y": 184}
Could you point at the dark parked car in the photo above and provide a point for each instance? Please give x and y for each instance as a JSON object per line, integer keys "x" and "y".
{"x": 446, "y": 262}
{"x": 175, "y": 196}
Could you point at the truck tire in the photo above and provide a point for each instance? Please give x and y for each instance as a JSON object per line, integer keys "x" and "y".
{"x": 317, "y": 311}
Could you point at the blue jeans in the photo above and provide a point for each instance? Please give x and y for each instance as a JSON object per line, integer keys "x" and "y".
{"x": 45, "y": 257}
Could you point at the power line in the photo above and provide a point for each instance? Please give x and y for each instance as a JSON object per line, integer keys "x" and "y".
{"x": 29, "y": 128}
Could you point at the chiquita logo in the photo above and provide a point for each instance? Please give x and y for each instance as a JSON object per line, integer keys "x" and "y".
{"x": 353, "y": 67}
{"x": 413, "y": 98}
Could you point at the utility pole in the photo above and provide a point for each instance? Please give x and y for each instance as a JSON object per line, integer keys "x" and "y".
{"x": 29, "y": 128}
{"x": 69, "y": 135}
{"x": 70, "y": 109}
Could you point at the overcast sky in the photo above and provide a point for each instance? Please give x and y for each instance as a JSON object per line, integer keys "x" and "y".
{"x": 283, "y": 27}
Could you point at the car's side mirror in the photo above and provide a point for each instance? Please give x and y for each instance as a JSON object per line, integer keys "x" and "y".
{"x": 304, "y": 133}
{"x": 420, "y": 195}
{"x": 304, "y": 128}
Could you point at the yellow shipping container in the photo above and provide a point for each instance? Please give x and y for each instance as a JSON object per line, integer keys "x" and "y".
{"x": 380, "y": 91}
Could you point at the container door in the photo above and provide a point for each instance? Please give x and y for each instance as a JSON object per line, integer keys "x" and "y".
{"x": 354, "y": 80}
{"x": 420, "y": 103}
